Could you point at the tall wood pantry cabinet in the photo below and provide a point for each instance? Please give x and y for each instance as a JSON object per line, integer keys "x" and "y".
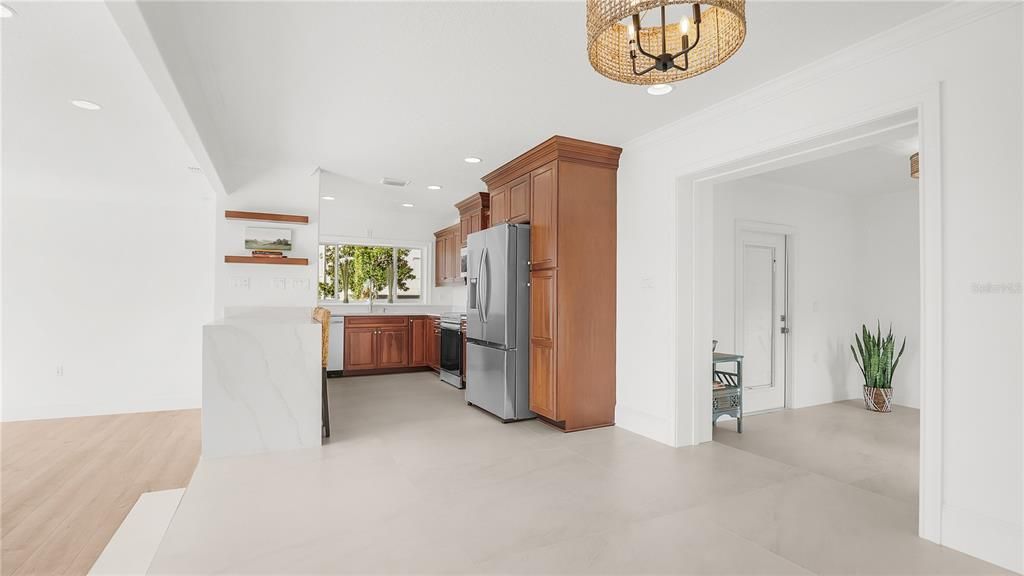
{"x": 565, "y": 189}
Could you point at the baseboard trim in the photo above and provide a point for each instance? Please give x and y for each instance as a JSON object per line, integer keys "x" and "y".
{"x": 991, "y": 539}
{"x": 644, "y": 424}
{"x": 49, "y": 412}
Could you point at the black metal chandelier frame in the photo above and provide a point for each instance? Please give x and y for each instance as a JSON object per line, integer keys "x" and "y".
{"x": 666, "y": 60}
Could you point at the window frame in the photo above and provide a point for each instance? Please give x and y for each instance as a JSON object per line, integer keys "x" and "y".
{"x": 426, "y": 256}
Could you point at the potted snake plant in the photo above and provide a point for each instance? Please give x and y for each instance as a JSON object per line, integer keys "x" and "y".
{"x": 875, "y": 358}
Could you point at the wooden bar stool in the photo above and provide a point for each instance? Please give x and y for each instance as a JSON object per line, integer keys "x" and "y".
{"x": 323, "y": 316}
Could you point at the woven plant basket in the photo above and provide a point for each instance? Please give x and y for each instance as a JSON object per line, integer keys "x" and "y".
{"x": 878, "y": 399}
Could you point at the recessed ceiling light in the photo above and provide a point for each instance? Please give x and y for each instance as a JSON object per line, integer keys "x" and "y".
{"x": 6, "y": 11}
{"x": 659, "y": 89}
{"x": 86, "y": 105}
{"x": 407, "y": 205}
{"x": 327, "y": 197}
{"x": 433, "y": 187}
{"x": 472, "y": 160}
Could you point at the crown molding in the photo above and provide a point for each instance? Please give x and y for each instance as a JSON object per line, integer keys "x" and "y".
{"x": 476, "y": 200}
{"x": 554, "y": 148}
{"x": 935, "y": 23}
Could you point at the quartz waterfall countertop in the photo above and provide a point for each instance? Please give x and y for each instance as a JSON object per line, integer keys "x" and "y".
{"x": 261, "y": 381}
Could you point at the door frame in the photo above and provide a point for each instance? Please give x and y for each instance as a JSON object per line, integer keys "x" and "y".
{"x": 789, "y": 233}
{"x": 692, "y": 421}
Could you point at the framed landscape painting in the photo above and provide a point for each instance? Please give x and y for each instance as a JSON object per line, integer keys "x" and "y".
{"x": 257, "y": 238}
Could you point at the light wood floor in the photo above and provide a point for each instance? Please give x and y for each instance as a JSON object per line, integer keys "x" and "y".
{"x": 68, "y": 484}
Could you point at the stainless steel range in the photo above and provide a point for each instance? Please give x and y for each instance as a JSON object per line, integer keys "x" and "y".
{"x": 451, "y": 348}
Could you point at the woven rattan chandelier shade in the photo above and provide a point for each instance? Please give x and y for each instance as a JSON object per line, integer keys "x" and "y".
{"x": 723, "y": 29}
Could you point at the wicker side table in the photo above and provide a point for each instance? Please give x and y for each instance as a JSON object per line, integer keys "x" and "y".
{"x": 727, "y": 398}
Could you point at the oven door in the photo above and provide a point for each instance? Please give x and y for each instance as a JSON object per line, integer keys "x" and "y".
{"x": 451, "y": 350}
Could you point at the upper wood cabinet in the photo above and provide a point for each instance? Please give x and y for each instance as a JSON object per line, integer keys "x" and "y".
{"x": 474, "y": 213}
{"x": 519, "y": 200}
{"x": 544, "y": 217}
{"x": 565, "y": 189}
{"x": 446, "y": 256}
{"x": 499, "y": 205}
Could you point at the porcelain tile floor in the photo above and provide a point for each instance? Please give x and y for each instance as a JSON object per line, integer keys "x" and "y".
{"x": 414, "y": 481}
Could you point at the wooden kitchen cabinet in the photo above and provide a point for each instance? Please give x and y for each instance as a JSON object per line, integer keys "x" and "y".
{"x": 566, "y": 190}
{"x": 519, "y": 200}
{"x": 434, "y": 344}
{"x": 360, "y": 348}
{"x": 439, "y": 256}
{"x": 446, "y": 256}
{"x": 543, "y": 316}
{"x": 544, "y": 217}
{"x": 393, "y": 347}
{"x": 377, "y": 344}
{"x": 499, "y": 205}
{"x": 418, "y": 338}
{"x": 474, "y": 214}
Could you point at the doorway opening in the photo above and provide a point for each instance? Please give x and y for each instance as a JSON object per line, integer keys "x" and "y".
{"x": 703, "y": 191}
{"x": 855, "y": 217}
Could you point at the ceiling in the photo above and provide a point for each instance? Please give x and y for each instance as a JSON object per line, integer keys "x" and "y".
{"x": 128, "y": 152}
{"x": 882, "y": 168}
{"x": 407, "y": 90}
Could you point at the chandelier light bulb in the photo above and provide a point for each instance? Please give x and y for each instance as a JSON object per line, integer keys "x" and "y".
{"x": 684, "y": 25}
{"x": 632, "y": 32}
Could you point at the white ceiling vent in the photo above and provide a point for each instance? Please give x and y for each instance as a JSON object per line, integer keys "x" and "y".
{"x": 394, "y": 182}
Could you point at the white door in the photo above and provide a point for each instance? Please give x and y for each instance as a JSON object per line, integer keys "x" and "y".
{"x": 761, "y": 319}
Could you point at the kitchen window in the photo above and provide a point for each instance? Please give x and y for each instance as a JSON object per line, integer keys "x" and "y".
{"x": 357, "y": 273}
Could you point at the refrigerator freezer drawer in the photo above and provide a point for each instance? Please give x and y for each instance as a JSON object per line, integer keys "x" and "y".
{"x": 491, "y": 379}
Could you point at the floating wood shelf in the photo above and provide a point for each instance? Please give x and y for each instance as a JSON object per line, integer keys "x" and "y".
{"x": 265, "y": 260}
{"x": 266, "y": 217}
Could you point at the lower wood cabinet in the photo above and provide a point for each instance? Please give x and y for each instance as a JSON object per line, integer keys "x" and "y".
{"x": 360, "y": 347}
{"x": 543, "y": 318}
{"x": 393, "y": 345}
{"x": 434, "y": 344}
{"x": 418, "y": 338}
{"x": 388, "y": 343}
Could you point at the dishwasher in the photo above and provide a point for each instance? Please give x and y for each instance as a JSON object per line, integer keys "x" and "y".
{"x": 336, "y": 346}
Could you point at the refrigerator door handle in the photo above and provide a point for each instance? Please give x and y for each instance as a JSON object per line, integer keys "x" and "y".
{"x": 484, "y": 293}
{"x": 479, "y": 286}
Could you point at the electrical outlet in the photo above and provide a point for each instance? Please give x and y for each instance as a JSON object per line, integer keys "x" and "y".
{"x": 60, "y": 369}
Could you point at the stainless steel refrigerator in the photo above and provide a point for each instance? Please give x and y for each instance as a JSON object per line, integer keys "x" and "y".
{"x": 498, "y": 321}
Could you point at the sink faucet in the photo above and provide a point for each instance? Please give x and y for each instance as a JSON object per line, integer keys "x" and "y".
{"x": 371, "y": 292}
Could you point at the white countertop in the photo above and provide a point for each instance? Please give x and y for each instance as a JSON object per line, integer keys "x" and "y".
{"x": 389, "y": 310}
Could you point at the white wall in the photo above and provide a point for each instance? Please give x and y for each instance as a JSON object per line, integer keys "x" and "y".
{"x": 852, "y": 259}
{"x": 361, "y": 212}
{"x": 288, "y": 189}
{"x": 107, "y": 237}
{"x": 981, "y": 237}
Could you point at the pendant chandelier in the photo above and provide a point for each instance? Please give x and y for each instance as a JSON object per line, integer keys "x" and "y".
{"x": 624, "y": 48}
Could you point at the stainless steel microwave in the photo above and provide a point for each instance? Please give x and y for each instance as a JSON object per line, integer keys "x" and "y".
{"x": 464, "y": 262}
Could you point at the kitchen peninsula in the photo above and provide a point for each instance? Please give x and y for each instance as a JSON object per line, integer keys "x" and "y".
{"x": 261, "y": 382}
